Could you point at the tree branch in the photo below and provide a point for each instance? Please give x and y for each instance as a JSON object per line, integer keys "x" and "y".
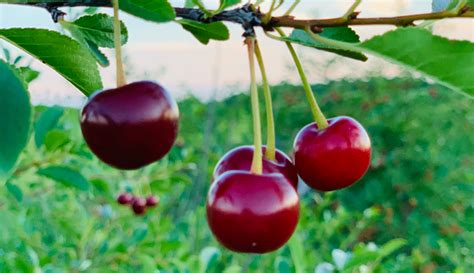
{"x": 249, "y": 18}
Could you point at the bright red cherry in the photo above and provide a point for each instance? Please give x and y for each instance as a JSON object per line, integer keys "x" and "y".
{"x": 139, "y": 206}
{"x": 252, "y": 213}
{"x": 151, "y": 201}
{"x": 130, "y": 126}
{"x": 125, "y": 198}
{"x": 335, "y": 157}
{"x": 240, "y": 158}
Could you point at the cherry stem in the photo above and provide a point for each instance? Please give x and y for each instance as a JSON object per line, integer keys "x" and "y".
{"x": 271, "y": 145}
{"x": 118, "y": 46}
{"x": 318, "y": 115}
{"x": 257, "y": 135}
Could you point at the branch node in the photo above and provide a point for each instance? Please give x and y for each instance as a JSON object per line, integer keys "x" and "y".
{"x": 56, "y": 14}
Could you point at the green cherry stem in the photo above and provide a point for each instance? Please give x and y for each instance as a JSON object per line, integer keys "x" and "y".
{"x": 118, "y": 46}
{"x": 318, "y": 115}
{"x": 271, "y": 145}
{"x": 257, "y": 135}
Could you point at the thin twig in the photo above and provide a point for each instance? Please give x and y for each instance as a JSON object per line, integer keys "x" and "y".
{"x": 248, "y": 16}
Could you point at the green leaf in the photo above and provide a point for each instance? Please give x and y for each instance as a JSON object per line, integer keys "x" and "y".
{"x": 28, "y": 74}
{"x": 55, "y": 139}
{"x": 360, "y": 259}
{"x": 15, "y": 119}
{"x": 100, "y": 57}
{"x": 61, "y": 53}
{"x": 65, "y": 176}
{"x": 189, "y": 4}
{"x": 15, "y": 191}
{"x": 208, "y": 257}
{"x": 297, "y": 253}
{"x": 282, "y": 265}
{"x": 391, "y": 246}
{"x": 158, "y": 11}
{"x": 46, "y": 121}
{"x": 99, "y": 29}
{"x": 205, "y": 32}
{"x": 447, "y": 61}
{"x": 343, "y": 34}
{"x": 228, "y": 3}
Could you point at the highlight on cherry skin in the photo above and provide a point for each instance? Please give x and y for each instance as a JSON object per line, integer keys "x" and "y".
{"x": 252, "y": 213}
{"x": 335, "y": 157}
{"x": 240, "y": 158}
{"x": 130, "y": 126}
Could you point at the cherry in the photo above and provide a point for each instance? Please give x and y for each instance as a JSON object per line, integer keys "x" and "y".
{"x": 252, "y": 213}
{"x": 139, "y": 206}
{"x": 335, "y": 157}
{"x": 125, "y": 198}
{"x": 151, "y": 201}
{"x": 130, "y": 126}
{"x": 240, "y": 158}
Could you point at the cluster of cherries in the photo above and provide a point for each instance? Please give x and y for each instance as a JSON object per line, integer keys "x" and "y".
{"x": 137, "y": 124}
{"x": 138, "y": 204}
{"x": 258, "y": 213}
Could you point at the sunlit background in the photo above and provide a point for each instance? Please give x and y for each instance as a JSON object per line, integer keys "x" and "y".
{"x": 171, "y": 56}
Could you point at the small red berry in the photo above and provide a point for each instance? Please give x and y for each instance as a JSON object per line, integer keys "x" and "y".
{"x": 252, "y": 213}
{"x": 139, "y": 206}
{"x": 125, "y": 198}
{"x": 151, "y": 201}
{"x": 130, "y": 126}
{"x": 335, "y": 157}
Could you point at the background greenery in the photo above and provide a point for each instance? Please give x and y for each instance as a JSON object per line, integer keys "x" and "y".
{"x": 412, "y": 212}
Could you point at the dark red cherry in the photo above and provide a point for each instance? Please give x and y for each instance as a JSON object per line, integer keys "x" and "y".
{"x": 252, "y": 213}
{"x": 151, "y": 201}
{"x": 125, "y": 198}
{"x": 240, "y": 158}
{"x": 130, "y": 126}
{"x": 335, "y": 157}
{"x": 139, "y": 206}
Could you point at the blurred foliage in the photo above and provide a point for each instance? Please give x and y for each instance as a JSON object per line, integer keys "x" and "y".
{"x": 412, "y": 212}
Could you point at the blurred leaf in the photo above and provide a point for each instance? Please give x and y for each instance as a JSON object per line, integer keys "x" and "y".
{"x": 28, "y": 74}
{"x": 391, "y": 246}
{"x": 15, "y": 191}
{"x": 55, "y": 139}
{"x": 205, "y": 32}
{"x": 297, "y": 253}
{"x": 65, "y": 176}
{"x": 99, "y": 29}
{"x": 15, "y": 119}
{"x": 158, "y": 11}
{"x": 59, "y": 52}
{"x": 344, "y": 34}
{"x": 46, "y": 121}
{"x": 148, "y": 264}
{"x": 101, "y": 186}
{"x": 429, "y": 54}
{"x": 228, "y": 3}
{"x": 208, "y": 257}
{"x": 359, "y": 259}
{"x": 138, "y": 235}
{"x": 324, "y": 268}
{"x": 282, "y": 265}
{"x": 233, "y": 269}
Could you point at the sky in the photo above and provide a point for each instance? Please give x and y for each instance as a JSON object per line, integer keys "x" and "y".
{"x": 169, "y": 55}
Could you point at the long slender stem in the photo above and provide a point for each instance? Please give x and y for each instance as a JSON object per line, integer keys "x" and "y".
{"x": 318, "y": 115}
{"x": 257, "y": 135}
{"x": 292, "y": 7}
{"x": 118, "y": 46}
{"x": 271, "y": 145}
{"x": 351, "y": 10}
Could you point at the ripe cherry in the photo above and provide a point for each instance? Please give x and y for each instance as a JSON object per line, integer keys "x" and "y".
{"x": 151, "y": 201}
{"x": 240, "y": 158}
{"x": 252, "y": 213}
{"x": 130, "y": 126}
{"x": 335, "y": 157}
{"x": 125, "y": 198}
{"x": 139, "y": 206}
